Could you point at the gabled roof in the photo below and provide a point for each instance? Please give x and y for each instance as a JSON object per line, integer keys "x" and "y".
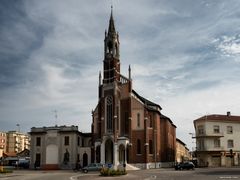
{"x": 167, "y": 118}
{"x": 180, "y": 141}
{"x": 149, "y": 104}
{"x": 24, "y": 153}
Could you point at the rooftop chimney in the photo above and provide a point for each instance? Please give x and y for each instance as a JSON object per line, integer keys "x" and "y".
{"x": 228, "y": 113}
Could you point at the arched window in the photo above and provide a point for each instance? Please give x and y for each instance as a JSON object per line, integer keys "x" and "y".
{"x": 150, "y": 147}
{"x": 151, "y": 121}
{"x": 138, "y": 119}
{"x": 138, "y": 146}
{"x": 109, "y": 107}
{"x": 110, "y": 47}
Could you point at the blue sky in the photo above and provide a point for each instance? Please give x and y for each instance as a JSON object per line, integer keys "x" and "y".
{"x": 185, "y": 56}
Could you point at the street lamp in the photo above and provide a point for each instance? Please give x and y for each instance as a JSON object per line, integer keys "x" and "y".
{"x": 192, "y": 135}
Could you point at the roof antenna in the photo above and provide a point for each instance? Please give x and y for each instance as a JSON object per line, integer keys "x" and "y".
{"x": 55, "y": 114}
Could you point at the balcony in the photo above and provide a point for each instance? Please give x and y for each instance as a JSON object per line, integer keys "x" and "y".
{"x": 210, "y": 148}
{"x": 209, "y": 135}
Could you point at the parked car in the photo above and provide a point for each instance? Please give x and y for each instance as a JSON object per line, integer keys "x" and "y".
{"x": 185, "y": 165}
{"x": 22, "y": 163}
{"x": 92, "y": 167}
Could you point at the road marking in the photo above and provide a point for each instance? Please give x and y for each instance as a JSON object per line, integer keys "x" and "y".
{"x": 73, "y": 177}
{"x": 151, "y": 177}
{"x": 228, "y": 177}
{"x": 76, "y": 176}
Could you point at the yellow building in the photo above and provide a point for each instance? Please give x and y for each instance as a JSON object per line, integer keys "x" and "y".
{"x": 182, "y": 152}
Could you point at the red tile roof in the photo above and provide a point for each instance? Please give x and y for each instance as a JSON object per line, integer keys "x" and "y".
{"x": 9, "y": 154}
{"x": 220, "y": 118}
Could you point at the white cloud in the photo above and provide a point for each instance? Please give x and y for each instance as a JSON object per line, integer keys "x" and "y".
{"x": 168, "y": 44}
{"x": 228, "y": 45}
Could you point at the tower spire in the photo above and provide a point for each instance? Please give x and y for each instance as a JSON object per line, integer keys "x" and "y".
{"x": 111, "y": 27}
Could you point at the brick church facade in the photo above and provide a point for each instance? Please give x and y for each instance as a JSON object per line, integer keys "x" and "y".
{"x": 126, "y": 127}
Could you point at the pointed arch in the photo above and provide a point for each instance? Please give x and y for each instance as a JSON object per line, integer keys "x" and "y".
{"x": 122, "y": 154}
{"x": 109, "y": 113}
{"x": 109, "y": 151}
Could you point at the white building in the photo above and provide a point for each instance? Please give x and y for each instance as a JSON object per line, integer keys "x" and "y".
{"x": 17, "y": 142}
{"x": 217, "y": 140}
{"x": 59, "y": 147}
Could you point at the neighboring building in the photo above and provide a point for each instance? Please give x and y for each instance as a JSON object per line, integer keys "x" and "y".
{"x": 17, "y": 142}
{"x": 127, "y": 128}
{"x": 217, "y": 140}
{"x": 3, "y": 145}
{"x": 182, "y": 152}
{"x": 59, "y": 147}
{"x": 12, "y": 158}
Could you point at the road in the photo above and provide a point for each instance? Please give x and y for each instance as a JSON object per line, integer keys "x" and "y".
{"x": 162, "y": 174}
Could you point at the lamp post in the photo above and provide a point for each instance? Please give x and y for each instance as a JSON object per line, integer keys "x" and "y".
{"x": 192, "y": 134}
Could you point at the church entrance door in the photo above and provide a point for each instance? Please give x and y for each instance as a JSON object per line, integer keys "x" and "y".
{"x": 85, "y": 159}
{"x": 109, "y": 151}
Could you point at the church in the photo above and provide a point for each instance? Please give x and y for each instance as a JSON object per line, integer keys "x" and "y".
{"x": 128, "y": 129}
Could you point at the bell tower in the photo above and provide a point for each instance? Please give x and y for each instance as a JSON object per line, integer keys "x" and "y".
{"x": 111, "y": 61}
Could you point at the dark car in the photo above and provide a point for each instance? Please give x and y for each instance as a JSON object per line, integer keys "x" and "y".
{"x": 92, "y": 167}
{"x": 185, "y": 165}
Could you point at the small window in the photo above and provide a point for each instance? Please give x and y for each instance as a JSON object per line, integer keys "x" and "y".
{"x": 138, "y": 120}
{"x": 216, "y": 143}
{"x": 138, "y": 146}
{"x": 82, "y": 142}
{"x": 38, "y": 141}
{"x": 151, "y": 121}
{"x": 66, "y": 140}
{"x": 200, "y": 130}
{"x": 230, "y": 143}
{"x": 216, "y": 129}
{"x": 78, "y": 141}
{"x": 229, "y": 129}
{"x": 150, "y": 147}
{"x": 201, "y": 145}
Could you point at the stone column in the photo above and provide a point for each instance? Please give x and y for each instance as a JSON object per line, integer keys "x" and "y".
{"x": 223, "y": 158}
{"x": 103, "y": 152}
{"x": 235, "y": 161}
{"x": 115, "y": 156}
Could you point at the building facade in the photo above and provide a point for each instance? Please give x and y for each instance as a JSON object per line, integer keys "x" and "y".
{"x": 16, "y": 142}
{"x": 217, "y": 140}
{"x": 3, "y": 143}
{"x": 182, "y": 152}
{"x": 59, "y": 147}
{"x": 127, "y": 128}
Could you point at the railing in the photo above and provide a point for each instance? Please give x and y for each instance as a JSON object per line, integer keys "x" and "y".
{"x": 209, "y": 134}
{"x": 123, "y": 79}
{"x": 210, "y": 148}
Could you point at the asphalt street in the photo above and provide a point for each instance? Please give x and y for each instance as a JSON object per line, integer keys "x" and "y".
{"x": 163, "y": 174}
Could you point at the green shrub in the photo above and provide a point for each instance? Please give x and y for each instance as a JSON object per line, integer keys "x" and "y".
{"x": 6, "y": 171}
{"x": 112, "y": 172}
